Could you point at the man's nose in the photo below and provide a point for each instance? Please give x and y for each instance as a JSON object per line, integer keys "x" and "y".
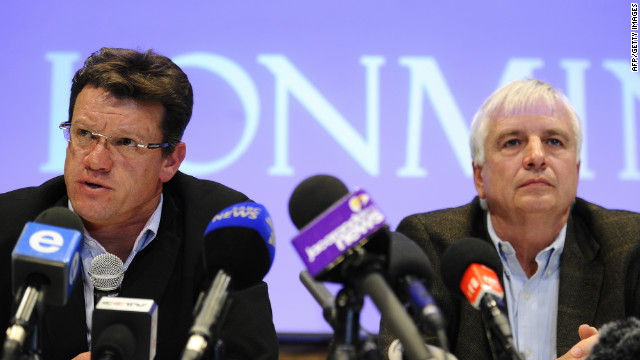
{"x": 99, "y": 157}
{"x": 535, "y": 156}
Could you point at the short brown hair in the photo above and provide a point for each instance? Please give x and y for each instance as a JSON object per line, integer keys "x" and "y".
{"x": 147, "y": 76}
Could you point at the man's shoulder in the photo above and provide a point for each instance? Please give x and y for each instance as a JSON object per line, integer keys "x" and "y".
{"x": 54, "y": 186}
{"x": 443, "y": 226}
{"x": 608, "y": 224}
{"x": 198, "y": 199}
{"x": 192, "y": 189}
{"x": 26, "y": 203}
{"x": 597, "y": 212}
{"x": 444, "y": 218}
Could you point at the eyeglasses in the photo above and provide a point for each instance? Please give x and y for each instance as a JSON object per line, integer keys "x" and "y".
{"x": 84, "y": 138}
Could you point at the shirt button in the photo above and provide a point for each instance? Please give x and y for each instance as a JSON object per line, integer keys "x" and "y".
{"x": 548, "y": 272}
{"x": 527, "y": 353}
{"x": 527, "y": 296}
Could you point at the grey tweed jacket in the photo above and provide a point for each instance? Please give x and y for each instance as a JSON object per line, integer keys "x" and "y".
{"x": 599, "y": 273}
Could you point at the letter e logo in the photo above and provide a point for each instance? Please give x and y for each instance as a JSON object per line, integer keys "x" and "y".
{"x": 46, "y": 241}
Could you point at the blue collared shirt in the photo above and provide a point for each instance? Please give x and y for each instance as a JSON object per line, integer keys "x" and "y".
{"x": 92, "y": 248}
{"x": 532, "y": 302}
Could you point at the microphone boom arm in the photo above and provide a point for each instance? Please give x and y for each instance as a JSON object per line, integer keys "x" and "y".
{"x": 208, "y": 315}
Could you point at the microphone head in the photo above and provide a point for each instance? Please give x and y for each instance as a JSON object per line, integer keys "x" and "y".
{"x": 461, "y": 254}
{"x": 335, "y": 224}
{"x": 48, "y": 253}
{"x": 313, "y": 196}
{"x": 240, "y": 240}
{"x": 618, "y": 340}
{"x": 61, "y": 217}
{"x": 117, "y": 341}
{"x": 407, "y": 258}
{"x": 106, "y": 272}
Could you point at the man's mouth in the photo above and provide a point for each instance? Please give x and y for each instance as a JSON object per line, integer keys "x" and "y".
{"x": 92, "y": 185}
{"x": 534, "y": 182}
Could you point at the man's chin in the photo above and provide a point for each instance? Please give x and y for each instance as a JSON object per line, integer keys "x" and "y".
{"x": 90, "y": 212}
{"x": 539, "y": 204}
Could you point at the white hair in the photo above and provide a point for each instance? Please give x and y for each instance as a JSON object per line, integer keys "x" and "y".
{"x": 525, "y": 96}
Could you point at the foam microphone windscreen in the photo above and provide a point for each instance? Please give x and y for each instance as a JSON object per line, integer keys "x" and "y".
{"x": 457, "y": 258}
{"x": 60, "y": 216}
{"x": 313, "y": 196}
{"x": 240, "y": 251}
{"x": 618, "y": 340}
{"x": 407, "y": 258}
{"x": 240, "y": 240}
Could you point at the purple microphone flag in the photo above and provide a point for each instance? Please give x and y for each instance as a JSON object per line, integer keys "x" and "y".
{"x": 333, "y": 234}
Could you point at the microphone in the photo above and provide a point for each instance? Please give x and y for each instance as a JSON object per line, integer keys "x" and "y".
{"x": 239, "y": 247}
{"x": 120, "y": 324}
{"x": 618, "y": 340}
{"x": 45, "y": 264}
{"x": 106, "y": 273}
{"x": 345, "y": 239}
{"x": 411, "y": 274}
{"x": 326, "y": 300}
{"x": 334, "y": 224}
{"x": 469, "y": 269}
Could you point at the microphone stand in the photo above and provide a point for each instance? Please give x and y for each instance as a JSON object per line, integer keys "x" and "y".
{"x": 498, "y": 326}
{"x": 23, "y": 334}
{"x": 346, "y": 341}
{"x": 34, "y": 352}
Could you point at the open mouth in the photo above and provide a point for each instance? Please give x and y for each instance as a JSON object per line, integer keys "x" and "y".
{"x": 92, "y": 185}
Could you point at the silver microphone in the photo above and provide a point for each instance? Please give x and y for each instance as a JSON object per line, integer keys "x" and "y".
{"x": 106, "y": 273}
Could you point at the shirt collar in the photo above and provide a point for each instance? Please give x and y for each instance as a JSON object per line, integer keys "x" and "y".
{"x": 549, "y": 257}
{"x": 145, "y": 237}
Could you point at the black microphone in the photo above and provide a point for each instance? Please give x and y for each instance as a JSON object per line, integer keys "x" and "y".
{"x": 469, "y": 269}
{"x": 239, "y": 247}
{"x": 411, "y": 274}
{"x": 344, "y": 238}
{"x": 106, "y": 273}
{"x": 124, "y": 329}
{"x": 618, "y": 340}
{"x": 45, "y": 264}
{"x": 313, "y": 196}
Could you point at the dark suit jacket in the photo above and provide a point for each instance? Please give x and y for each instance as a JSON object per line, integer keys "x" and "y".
{"x": 169, "y": 270}
{"x": 599, "y": 272}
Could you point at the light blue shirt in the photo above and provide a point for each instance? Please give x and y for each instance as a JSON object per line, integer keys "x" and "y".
{"x": 532, "y": 302}
{"x": 92, "y": 248}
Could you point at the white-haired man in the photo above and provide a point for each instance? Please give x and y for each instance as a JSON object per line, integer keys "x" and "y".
{"x": 567, "y": 263}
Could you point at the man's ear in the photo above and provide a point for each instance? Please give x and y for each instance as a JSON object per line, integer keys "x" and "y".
{"x": 172, "y": 162}
{"x": 478, "y": 181}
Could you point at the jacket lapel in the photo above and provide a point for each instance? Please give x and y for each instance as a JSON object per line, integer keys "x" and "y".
{"x": 149, "y": 273}
{"x": 580, "y": 284}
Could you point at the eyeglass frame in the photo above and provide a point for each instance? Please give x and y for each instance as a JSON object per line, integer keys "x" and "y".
{"x": 66, "y": 130}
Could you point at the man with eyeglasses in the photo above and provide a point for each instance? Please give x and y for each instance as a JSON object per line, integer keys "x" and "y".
{"x": 128, "y": 111}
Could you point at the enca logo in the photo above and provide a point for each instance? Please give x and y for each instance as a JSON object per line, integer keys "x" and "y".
{"x": 46, "y": 241}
